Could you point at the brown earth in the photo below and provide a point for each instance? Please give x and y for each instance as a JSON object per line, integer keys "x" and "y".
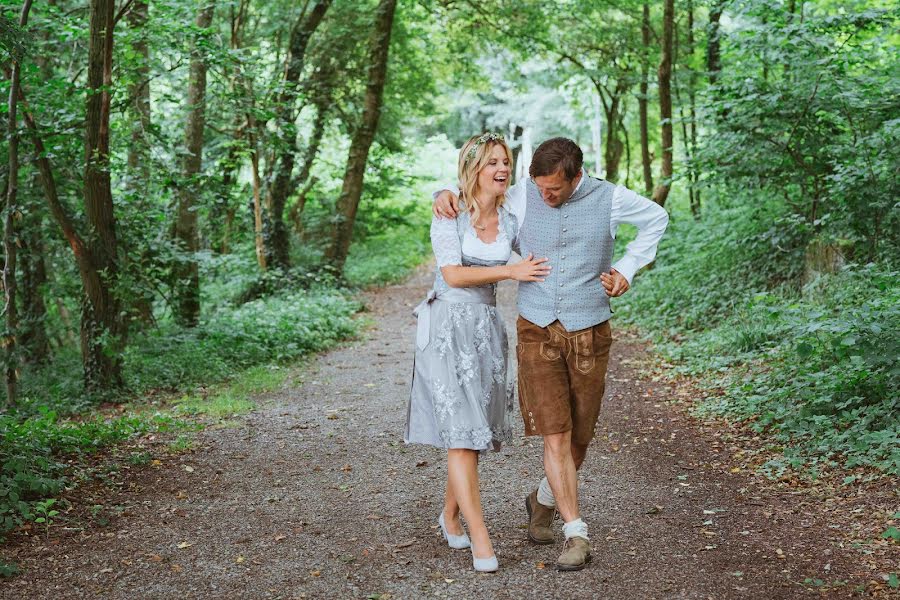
{"x": 314, "y": 495}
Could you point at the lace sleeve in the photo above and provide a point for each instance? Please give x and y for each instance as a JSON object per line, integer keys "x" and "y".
{"x": 445, "y": 242}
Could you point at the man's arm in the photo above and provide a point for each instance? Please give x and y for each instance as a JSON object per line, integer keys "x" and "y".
{"x": 650, "y": 219}
{"x": 446, "y": 201}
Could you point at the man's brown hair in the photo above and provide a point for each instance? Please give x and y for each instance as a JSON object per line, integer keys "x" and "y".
{"x": 555, "y": 154}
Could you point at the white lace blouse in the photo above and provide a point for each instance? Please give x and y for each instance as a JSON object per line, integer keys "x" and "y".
{"x": 448, "y": 251}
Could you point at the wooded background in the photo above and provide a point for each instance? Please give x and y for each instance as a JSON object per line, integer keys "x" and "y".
{"x": 195, "y": 187}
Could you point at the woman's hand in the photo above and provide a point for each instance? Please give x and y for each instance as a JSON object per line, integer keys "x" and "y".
{"x": 530, "y": 269}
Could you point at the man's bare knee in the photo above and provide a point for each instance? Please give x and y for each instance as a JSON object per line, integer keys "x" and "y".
{"x": 557, "y": 443}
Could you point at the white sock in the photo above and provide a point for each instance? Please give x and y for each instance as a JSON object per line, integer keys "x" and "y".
{"x": 545, "y": 494}
{"x": 576, "y": 528}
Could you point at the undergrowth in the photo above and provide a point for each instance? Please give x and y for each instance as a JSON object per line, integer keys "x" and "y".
{"x": 813, "y": 366}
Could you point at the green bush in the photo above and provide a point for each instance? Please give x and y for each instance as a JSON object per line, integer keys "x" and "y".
{"x": 815, "y": 367}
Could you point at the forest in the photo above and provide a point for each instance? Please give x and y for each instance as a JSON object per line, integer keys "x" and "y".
{"x": 196, "y": 192}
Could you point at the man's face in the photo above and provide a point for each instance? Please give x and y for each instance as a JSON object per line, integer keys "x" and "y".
{"x": 556, "y": 189}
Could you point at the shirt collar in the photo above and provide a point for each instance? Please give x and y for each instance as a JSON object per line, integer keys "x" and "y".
{"x": 580, "y": 181}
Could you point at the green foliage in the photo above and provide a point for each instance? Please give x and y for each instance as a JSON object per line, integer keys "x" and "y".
{"x": 814, "y": 366}
{"x": 31, "y": 465}
{"x": 807, "y": 113}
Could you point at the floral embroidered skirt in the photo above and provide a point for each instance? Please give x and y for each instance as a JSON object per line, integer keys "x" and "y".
{"x": 461, "y": 394}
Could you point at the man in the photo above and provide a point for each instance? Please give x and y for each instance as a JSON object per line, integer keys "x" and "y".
{"x": 563, "y": 328}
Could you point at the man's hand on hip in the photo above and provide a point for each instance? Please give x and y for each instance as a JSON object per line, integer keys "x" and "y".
{"x": 446, "y": 205}
{"x": 614, "y": 283}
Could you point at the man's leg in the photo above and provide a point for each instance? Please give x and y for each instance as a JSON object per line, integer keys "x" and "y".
{"x": 546, "y": 407}
{"x": 559, "y": 468}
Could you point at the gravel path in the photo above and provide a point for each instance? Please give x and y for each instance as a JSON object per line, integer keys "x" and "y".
{"x": 314, "y": 495}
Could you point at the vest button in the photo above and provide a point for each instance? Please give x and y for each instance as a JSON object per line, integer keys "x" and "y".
{"x": 565, "y": 216}
{"x": 563, "y": 256}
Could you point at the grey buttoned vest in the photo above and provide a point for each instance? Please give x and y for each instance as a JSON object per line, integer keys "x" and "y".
{"x": 575, "y": 237}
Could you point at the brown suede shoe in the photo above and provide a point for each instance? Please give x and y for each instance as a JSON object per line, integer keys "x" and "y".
{"x": 576, "y": 555}
{"x": 540, "y": 520}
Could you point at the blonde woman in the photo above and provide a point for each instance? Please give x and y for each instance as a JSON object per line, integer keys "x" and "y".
{"x": 462, "y": 398}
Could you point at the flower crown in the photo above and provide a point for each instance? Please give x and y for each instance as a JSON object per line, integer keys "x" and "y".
{"x": 487, "y": 137}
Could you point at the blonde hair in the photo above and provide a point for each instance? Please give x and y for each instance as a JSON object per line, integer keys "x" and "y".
{"x": 473, "y": 157}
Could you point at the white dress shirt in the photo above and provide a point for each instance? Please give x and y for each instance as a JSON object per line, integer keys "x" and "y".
{"x": 629, "y": 207}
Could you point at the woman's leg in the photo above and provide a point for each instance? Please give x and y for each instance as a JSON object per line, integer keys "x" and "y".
{"x": 451, "y": 510}
{"x": 462, "y": 475}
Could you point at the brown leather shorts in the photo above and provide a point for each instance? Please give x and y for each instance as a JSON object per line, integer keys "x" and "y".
{"x": 562, "y": 377}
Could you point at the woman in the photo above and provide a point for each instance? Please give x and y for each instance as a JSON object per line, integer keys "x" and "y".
{"x": 461, "y": 397}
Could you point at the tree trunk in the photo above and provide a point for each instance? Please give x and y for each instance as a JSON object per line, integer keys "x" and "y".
{"x": 643, "y": 101}
{"x": 304, "y": 179}
{"x": 692, "y": 98}
{"x": 139, "y": 95}
{"x": 33, "y": 332}
{"x": 101, "y": 324}
{"x": 9, "y": 227}
{"x": 348, "y": 201}
{"x": 614, "y": 146}
{"x": 665, "y": 103}
{"x": 676, "y": 85}
{"x": 278, "y": 241}
{"x": 187, "y": 273}
{"x": 139, "y": 146}
{"x": 713, "y": 47}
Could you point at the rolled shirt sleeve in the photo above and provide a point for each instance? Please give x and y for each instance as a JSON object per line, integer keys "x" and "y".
{"x": 650, "y": 219}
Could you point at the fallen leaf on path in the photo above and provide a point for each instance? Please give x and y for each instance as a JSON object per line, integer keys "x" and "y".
{"x": 449, "y": 580}
{"x": 280, "y": 537}
{"x": 189, "y": 468}
{"x": 177, "y": 568}
{"x": 540, "y": 565}
{"x": 239, "y": 559}
{"x": 346, "y": 468}
{"x": 184, "y": 545}
{"x": 405, "y": 544}
{"x": 422, "y": 463}
{"x": 315, "y": 573}
{"x": 332, "y": 417}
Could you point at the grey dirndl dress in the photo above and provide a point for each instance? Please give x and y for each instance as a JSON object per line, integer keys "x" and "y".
{"x": 461, "y": 394}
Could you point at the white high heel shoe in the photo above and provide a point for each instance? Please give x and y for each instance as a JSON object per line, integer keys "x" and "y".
{"x": 485, "y": 565}
{"x": 457, "y": 542}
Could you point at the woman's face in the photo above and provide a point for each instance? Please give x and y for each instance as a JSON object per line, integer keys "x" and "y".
{"x": 493, "y": 178}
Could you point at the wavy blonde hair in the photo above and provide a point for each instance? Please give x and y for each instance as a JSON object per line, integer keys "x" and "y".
{"x": 470, "y": 166}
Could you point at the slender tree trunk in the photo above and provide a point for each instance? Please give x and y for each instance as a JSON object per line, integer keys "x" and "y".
{"x": 102, "y": 328}
{"x": 139, "y": 146}
{"x": 692, "y": 98}
{"x": 278, "y": 249}
{"x": 258, "y": 236}
{"x": 303, "y": 178}
{"x": 348, "y": 201}
{"x": 665, "y": 103}
{"x": 187, "y": 273}
{"x": 677, "y": 81}
{"x": 33, "y": 333}
{"x": 614, "y": 146}
{"x": 10, "y": 341}
{"x": 139, "y": 94}
{"x": 643, "y": 100}
{"x": 713, "y": 46}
